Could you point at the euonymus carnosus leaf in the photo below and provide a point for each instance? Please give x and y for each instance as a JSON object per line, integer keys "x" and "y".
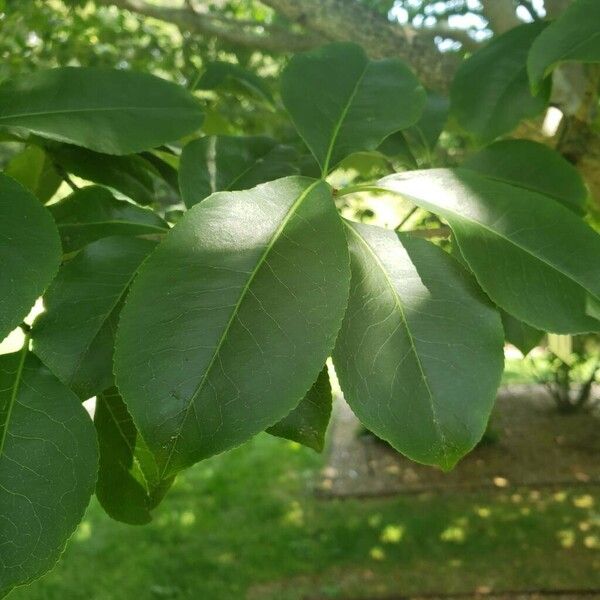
{"x": 531, "y": 255}
{"x": 533, "y": 166}
{"x": 574, "y": 36}
{"x": 419, "y": 355}
{"x": 74, "y": 337}
{"x": 132, "y": 175}
{"x": 490, "y": 93}
{"x": 307, "y": 423}
{"x": 92, "y": 213}
{"x": 227, "y": 163}
{"x": 107, "y": 110}
{"x": 230, "y": 320}
{"x": 519, "y": 334}
{"x": 34, "y": 170}
{"x": 30, "y": 252}
{"x": 48, "y": 461}
{"x": 341, "y": 102}
{"x": 128, "y": 485}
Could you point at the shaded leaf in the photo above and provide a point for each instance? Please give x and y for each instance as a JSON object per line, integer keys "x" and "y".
{"x": 238, "y": 308}
{"x": 48, "y": 461}
{"x": 531, "y": 255}
{"x": 106, "y": 110}
{"x": 574, "y": 36}
{"x": 75, "y": 336}
{"x": 232, "y": 77}
{"x": 419, "y": 355}
{"x": 131, "y": 175}
{"x": 519, "y": 334}
{"x": 128, "y": 485}
{"x": 341, "y": 102}
{"x": 533, "y": 166}
{"x": 34, "y": 170}
{"x": 307, "y": 423}
{"x": 92, "y": 213}
{"x": 490, "y": 93}
{"x": 29, "y": 252}
{"x": 227, "y": 163}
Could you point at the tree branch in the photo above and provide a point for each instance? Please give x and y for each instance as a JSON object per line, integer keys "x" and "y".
{"x": 500, "y": 14}
{"x": 350, "y": 20}
{"x": 247, "y": 34}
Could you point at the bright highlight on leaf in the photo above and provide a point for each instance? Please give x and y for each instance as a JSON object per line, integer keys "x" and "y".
{"x": 419, "y": 355}
{"x": 230, "y": 320}
{"x": 110, "y": 111}
{"x": 341, "y": 102}
{"x": 506, "y": 244}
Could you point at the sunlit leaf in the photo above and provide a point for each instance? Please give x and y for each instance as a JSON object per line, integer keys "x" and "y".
{"x": 238, "y": 308}
{"x": 419, "y": 355}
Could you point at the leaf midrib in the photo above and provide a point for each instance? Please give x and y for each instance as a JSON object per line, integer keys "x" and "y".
{"x": 65, "y": 111}
{"x": 234, "y": 312}
{"x": 410, "y": 338}
{"x": 344, "y": 113}
{"x": 14, "y": 393}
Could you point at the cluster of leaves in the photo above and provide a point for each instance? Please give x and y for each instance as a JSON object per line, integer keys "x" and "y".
{"x": 195, "y": 337}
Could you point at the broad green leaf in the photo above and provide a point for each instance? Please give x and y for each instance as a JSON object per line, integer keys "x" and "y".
{"x": 92, "y": 213}
{"x": 341, "y": 102}
{"x": 232, "y": 77}
{"x": 75, "y": 336}
{"x": 531, "y": 255}
{"x": 33, "y": 169}
{"x": 132, "y": 175}
{"x": 419, "y": 355}
{"x": 128, "y": 485}
{"x": 48, "y": 461}
{"x": 29, "y": 252}
{"x": 227, "y": 163}
{"x": 307, "y": 423}
{"x": 425, "y": 133}
{"x": 166, "y": 164}
{"x": 532, "y": 166}
{"x": 238, "y": 308}
{"x": 574, "y": 36}
{"x": 490, "y": 93}
{"x": 519, "y": 334}
{"x": 110, "y": 111}
{"x": 396, "y": 147}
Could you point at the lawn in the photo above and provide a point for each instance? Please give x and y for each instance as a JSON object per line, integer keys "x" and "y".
{"x": 245, "y": 525}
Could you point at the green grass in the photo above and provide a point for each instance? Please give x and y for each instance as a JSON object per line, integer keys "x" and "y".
{"x": 245, "y": 525}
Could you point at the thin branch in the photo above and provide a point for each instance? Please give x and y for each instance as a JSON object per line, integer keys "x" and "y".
{"x": 248, "y": 34}
{"x": 500, "y": 14}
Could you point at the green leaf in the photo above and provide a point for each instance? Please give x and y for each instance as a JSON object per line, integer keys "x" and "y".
{"x": 48, "y": 461}
{"x": 427, "y": 130}
{"x": 128, "y": 486}
{"x": 490, "y": 93}
{"x": 75, "y": 336}
{"x": 307, "y": 423}
{"x": 232, "y": 77}
{"x": 341, "y": 102}
{"x": 532, "y": 166}
{"x": 132, "y": 175}
{"x": 519, "y": 334}
{"x": 110, "y": 111}
{"x": 92, "y": 213}
{"x": 34, "y": 170}
{"x": 228, "y": 163}
{"x": 574, "y": 36}
{"x": 419, "y": 355}
{"x": 29, "y": 252}
{"x": 238, "y": 308}
{"x": 531, "y": 255}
